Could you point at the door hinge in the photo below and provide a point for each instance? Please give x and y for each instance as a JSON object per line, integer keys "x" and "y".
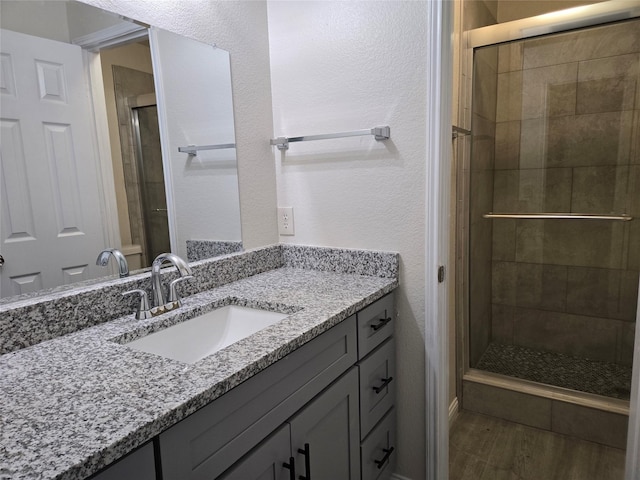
{"x": 441, "y": 273}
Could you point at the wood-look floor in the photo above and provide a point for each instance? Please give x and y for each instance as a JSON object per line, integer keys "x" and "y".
{"x": 487, "y": 448}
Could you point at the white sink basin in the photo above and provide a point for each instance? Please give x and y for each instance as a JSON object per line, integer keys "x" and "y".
{"x": 201, "y": 336}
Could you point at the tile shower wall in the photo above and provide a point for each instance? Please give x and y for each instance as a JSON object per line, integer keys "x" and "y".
{"x": 481, "y": 197}
{"x": 567, "y": 139}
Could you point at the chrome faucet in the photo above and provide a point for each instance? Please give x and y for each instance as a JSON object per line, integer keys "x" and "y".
{"x": 159, "y": 302}
{"x": 103, "y": 260}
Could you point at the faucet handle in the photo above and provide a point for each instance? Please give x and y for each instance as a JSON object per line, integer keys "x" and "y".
{"x": 173, "y": 293}
{"x": 143, "y": 311}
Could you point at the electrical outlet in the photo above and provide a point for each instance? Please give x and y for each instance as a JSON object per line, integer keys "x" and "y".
{"x": 285, "y": 221}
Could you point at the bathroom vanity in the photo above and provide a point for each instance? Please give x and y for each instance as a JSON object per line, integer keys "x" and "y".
{"x": 311, "y": 396}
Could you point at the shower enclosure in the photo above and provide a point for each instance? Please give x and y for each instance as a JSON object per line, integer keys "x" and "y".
{"x": 553, "y": 205}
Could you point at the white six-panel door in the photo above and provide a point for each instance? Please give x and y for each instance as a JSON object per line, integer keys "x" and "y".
{"x": 51, "y": 222}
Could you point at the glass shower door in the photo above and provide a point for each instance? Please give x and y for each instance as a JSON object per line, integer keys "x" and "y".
{"x": 554, "y": 255}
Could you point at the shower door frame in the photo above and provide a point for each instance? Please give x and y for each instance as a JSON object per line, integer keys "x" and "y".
{"x": 550, "y": 23}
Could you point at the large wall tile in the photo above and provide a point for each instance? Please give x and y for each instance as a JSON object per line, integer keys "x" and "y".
{"x": 530, "y": 241}
{"x": 608, "y": 84}
{"x": 532, "y": 190}
{"x": 509, "y": 101}
{"x": 633, "y": 207}
{"x": 484, "y": 84}
{"x": 549, "y": 91}
{"x": 633, "y": 258}
{"x": 635, "y": 134}
{"x": 507, "y": 404}
{"x": 507, "y": 145}
{"x": 588, "y": 140}
{"x": 602, "y": 292}
{"x": 629, "y": 281}
{"x": 483, "y": 153}
{"x": 605, "y": 41}
{"x": 626, "y": 341}
{"x": 579, "y": 335}
{"x": 600, "y": 189}
{"x": 533, "y": 143}
{"x": 502, "y": 323}
{"x": 590, "y": 424}
{"x": 479, "y": 307}
{"x": 503, "y": 279}
{"x": 587, "y": 243}
{"x": 510, "y": 56}
{"x": 504, "y": 239}
{"x": 541, "y": 286}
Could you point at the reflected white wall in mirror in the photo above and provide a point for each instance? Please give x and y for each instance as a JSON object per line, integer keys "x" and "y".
{"x": 197, "y": 109}
{"x": 78, "y": 183}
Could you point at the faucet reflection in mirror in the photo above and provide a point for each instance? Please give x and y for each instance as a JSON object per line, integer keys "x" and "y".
{"x": 102, "y": 201}
{"x": 121, "y": 260}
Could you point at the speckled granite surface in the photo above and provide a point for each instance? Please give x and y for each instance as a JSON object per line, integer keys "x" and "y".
{"x": 76, "y": 403}
{"x": 33, "y": 319}
{"x": 202, "y": 249}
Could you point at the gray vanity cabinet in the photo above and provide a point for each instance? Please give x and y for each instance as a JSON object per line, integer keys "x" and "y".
{"x": 267, "y": 461}
{"x": 138, "y": 465}
{"x": 327, "y": 408}
{"x": 322, "y": 438}
{"x": 324, "y": 435}
{"x": 205, "y": 444}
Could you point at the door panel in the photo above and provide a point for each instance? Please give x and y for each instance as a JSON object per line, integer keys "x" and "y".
{"x": 330, "y": 425}
{"x": 51, "y": 225}
{"x": 266, "y": 461}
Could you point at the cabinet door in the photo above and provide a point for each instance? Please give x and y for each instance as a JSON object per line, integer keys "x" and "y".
{"x": 266, "y": 461}
{"x": 138, "y": 465}
{"x": 330, "y": 426}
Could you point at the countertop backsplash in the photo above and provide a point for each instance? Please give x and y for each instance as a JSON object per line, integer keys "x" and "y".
{"x": 50, "y": 314}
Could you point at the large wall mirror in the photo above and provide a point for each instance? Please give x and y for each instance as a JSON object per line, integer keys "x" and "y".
{"x": 113, "y": 135}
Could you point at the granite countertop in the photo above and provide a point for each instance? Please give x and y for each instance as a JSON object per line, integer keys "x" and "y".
{"x": 72, "y": 405}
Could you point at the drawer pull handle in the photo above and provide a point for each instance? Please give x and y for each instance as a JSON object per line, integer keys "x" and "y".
{"x": 307, "y": 462}
{"x": 385, "y": 459}
{"x": 385, "y": 382}
{"x": 291, "y": 466}
{"x": 380, "y": 324}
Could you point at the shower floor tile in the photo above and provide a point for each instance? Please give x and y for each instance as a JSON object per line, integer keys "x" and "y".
{"x": 582, "y": 374}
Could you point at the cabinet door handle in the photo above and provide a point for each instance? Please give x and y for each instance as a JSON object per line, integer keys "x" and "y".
{"x": 291, "y": 466}
{"x": 385, "y": 382}
{"x": 380, "y": 324}
{"x": 383, "y": 460}
{"x": 307, "y": 462}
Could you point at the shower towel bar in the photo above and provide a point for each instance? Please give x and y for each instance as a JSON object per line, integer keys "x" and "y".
{"x": 563, "y": 216}
{"x": 380, "y": 133}
{"x": 193, "y": 149}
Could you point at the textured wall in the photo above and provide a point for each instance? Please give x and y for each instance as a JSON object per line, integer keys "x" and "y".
{"x": 241, "y": 29}
{"x": 339, "y": 66}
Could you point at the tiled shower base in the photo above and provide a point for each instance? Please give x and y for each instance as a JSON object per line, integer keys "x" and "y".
{"x": 575, "y": 373}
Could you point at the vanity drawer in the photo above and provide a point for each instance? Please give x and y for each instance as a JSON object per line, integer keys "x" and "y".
{"x": 375, "y": 324}
{"x": 377, "y": 386}
{"x": 206, "y": 443}
{"x": 378, "y": 451}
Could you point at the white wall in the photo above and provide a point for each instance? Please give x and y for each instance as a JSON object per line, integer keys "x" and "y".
{"x": 39, "y": 18}
{"x": 195, "y": 108}
{"x": 241, "y": 29}
{"x": 338, "y": 66}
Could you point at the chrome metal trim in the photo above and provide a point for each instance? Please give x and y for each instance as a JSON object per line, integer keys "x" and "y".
{"x": 194, "y": 149}
{"x": 457, "y": 131}
{"x": 380, "y": 133}
{"x": 559, "y": 216}
{"x": 554, "y": 22}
